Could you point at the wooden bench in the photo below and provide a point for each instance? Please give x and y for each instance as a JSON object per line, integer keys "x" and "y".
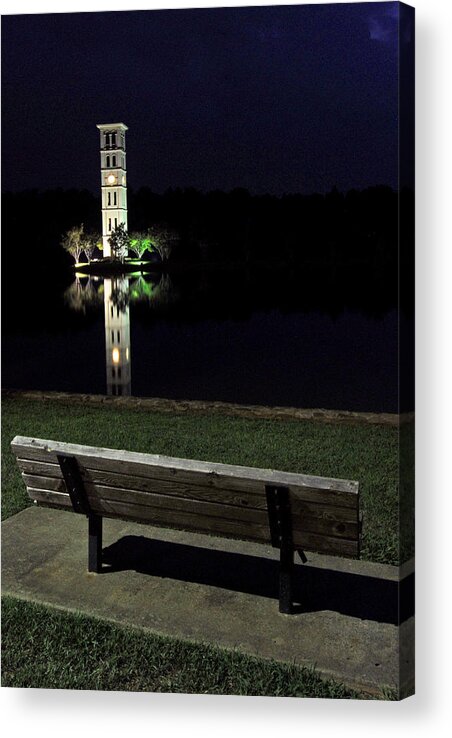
{"x": 293, "y": 512}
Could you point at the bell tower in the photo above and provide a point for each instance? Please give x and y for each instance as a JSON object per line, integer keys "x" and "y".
{"x": 113, "y": 179}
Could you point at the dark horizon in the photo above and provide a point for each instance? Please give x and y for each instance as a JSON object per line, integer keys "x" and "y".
{"x": 275, "y": 99}
{"x": 204, "y": 193}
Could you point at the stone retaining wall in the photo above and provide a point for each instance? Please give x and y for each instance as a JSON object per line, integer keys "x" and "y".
{"x": 199, "y": 406}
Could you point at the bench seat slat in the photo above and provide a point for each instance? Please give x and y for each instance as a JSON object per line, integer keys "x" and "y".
{"x": 33, "y": 471}
{"x": 214, "y": 489}
{"x": 340, "y": 522}
{"x": 191, "y": 521}
{"x": 171, "y": 487}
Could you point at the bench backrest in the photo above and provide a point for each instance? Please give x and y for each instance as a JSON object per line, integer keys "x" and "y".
{"x": 221, "y": 499}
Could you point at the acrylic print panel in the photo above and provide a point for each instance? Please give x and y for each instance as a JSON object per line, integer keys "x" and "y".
{"x": 208, "y": 350}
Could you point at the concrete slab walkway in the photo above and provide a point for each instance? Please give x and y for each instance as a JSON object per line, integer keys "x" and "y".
{"x": 219, "y": 592}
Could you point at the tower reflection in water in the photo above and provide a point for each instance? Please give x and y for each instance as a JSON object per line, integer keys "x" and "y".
{"x": 117, "y": 336}
{"x": 86, "y": 294}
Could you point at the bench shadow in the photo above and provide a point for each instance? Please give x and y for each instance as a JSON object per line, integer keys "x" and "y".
{"x": 314, "y": 589}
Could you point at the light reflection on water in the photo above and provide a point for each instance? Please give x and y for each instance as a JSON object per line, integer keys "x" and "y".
{"x": 117, "y": 336}
{"x": 116, "y": 293}
{"x": 234, "y": 336}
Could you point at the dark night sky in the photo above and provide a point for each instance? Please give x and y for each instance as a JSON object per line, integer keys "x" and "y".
{"x": 275, "y": 99}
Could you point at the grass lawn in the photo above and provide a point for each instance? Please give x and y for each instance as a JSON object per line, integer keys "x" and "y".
{"x": 47, "y": 648}
{"x": 368, "y": 454}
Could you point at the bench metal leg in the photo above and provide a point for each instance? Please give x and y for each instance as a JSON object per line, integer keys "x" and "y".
{"x": 94, "y": 542}
{"x": 80, "y": 504}
{"x": 278, "y": 505}
{"x": 285, "y": 578}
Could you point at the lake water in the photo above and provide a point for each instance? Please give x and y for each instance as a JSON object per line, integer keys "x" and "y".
{"x": 266, "y": 339}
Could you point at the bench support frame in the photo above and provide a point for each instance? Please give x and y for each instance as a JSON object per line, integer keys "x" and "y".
{"x": 80, "y": 503}
{"x": 94, "y": 543}
{"x": 279, "y": 517}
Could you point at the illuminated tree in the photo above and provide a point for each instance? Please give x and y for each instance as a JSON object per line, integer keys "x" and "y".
{"x": 73, "y": 242}
{"x": 139, "y": 243}
{"x": 119, "y": 242}
{"x": 163, "y": 239}
{"x": 91, "y": 241}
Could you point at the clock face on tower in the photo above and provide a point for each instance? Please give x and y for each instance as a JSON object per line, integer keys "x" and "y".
{"x": 111, "y": 179}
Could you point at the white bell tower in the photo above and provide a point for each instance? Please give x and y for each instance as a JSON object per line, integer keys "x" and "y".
{"x": 113, "y": 179}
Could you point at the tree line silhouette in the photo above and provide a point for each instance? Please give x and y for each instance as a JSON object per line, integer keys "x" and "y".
{"x": 357, "y": 227}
